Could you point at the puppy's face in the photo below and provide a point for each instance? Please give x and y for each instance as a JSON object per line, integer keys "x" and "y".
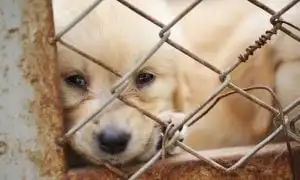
{"x": 119, "y": 134}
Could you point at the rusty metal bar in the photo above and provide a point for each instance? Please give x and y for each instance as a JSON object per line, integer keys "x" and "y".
{"x": 30, "y": 110}
{"x": 269, "y": 163}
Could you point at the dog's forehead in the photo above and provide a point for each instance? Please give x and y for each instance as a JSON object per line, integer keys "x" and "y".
{"x": 69, "y": 61}
{"x": 115, "y": 40}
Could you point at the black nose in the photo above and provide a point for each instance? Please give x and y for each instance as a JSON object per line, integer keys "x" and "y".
{"x": 113, "y": 141}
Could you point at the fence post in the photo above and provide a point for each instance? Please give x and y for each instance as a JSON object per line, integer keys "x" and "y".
{"x": 30, "y": 113}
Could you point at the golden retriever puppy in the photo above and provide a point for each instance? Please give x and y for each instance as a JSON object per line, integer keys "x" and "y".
{"x": 118, "y": 37}
{"x": 170, "y": 84}
{"x": 219, "y": 31}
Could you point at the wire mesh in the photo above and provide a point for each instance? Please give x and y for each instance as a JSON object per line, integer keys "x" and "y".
{"x": 286, "y": 125}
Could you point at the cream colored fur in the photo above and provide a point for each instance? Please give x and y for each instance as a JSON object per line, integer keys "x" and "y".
{"x": 217, "y": 31}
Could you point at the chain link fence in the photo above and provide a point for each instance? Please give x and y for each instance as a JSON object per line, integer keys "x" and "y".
{"x": 287, "y": 125}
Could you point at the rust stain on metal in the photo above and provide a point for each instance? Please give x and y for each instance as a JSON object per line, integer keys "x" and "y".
{"x": 11, "y": 32}
{"x": 3, "y": 148}
{"x": 270, "y": 163}
{"x": 39, "y": 68}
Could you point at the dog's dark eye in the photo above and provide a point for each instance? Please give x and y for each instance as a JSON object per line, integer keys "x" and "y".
{"x": 77, "y": 80}
{"x": 143, "y": 79}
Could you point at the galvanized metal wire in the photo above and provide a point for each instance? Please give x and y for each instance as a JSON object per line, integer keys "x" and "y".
{"x": 286, "y": 125}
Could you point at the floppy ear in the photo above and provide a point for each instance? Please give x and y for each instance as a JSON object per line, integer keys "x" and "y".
{"x": 258, "y": 71}
{"x": 192, "y": 85}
